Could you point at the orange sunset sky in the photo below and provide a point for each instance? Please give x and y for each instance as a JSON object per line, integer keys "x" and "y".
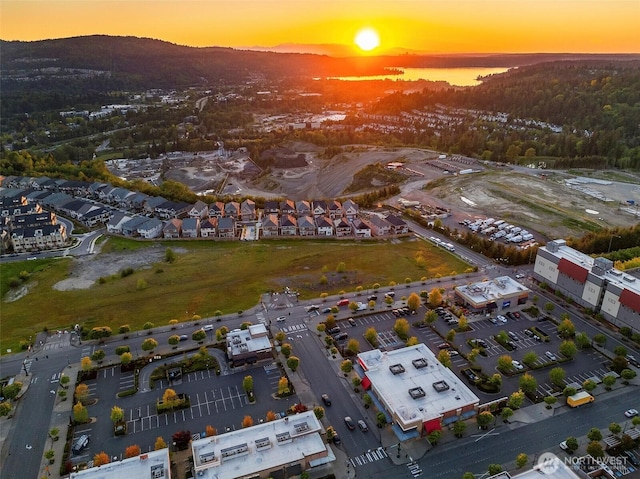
{"x": 440, "y": 26}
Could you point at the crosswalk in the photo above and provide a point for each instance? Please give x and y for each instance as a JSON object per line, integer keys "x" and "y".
{"x": 294, "y": 328}
{"x": 414, "y": 469}
{"x": 371, "y": 455}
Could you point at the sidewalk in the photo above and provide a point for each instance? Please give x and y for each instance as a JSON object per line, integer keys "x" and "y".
{"x": 60, "y": 418}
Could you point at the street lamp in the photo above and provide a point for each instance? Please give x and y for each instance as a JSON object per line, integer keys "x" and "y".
{"x": 398, "y": 455}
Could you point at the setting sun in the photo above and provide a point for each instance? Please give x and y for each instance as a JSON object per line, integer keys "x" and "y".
{"x": 367, "y": 39}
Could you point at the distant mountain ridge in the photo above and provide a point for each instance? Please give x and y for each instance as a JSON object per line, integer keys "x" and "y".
{"x": 132, "y": 62}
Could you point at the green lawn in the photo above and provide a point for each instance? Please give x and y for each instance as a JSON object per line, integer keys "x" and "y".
{"x": 209, "y": 276}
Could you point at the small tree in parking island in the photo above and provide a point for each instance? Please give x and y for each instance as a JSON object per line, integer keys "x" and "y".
{"x": 568, "y": 349}
{"x": 572, "y": 443}
{"x": 199, "y": 335}
{"x": 506, "y": 413}
{"x": 117, "y": 414}
{"x": 566, "y": 329}
{"x": 451, "y": 335}
{"x": 285, "y": 349}
{"x": 173, "y": 340}
{"x": 148, "y": 325}
{"x": 445, "y": 358}
{"x": 556, "y": 376}
{"x": 468, "y": 475}
{"x": 149, "y": 344}
{"x": 98, "y": 356}
{"x": 413, "y": 302}
{"x": 81, "y": 393}
{"x": 247, "y": 383}
{"x": 5, "y": 408}
{"x": 80, "y": 413}
{"x": 550, "y": 401}
{"x": 528, "y": 383}
{"x": 608, "y": 381}
{"x": 435, "y": 298}
{"x": 504, "y": 362}
{"x": 126, "y": 358}
{"x": 247, "y": 421}
{"x": 627, "y": 375}
{"x": 401, "y": 328}
{"x": 516, "y": 399}
{"x": 86, "y": 364}
{"x": 600, "y": 339}
{"x": 371, "y": 335}
{"x": 589, "y": 385}
{"x": 494, "y": 469}
{"x": 615, "y": 428}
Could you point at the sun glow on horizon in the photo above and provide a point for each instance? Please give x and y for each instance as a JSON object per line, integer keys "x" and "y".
{"x": 367, "y": 39}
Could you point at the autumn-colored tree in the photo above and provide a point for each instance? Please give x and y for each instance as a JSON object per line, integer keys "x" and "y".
{"x": 484, "y": 419}
{"x": 126, "y": 358}
{"x": 132, "y": 451}
{"x": 283, "y": 386}
{"x": 117, "y": 414}
{"x": 371, "y": 335}
{"x": 170, "y": 398}
{"x": 431, "y": 316}
{"x": 412, "y": 341}
{"x": 101, "y": 459}
{"x": 285, "y": 349}
{"x": 173, "y": 340}
{"x": 445, "y": 358}
{"x": 281, "y": 336}
{"x": 247, "y": 383}
{"x": 86, "y": 364}
{"x": 319, "y": 412}
{"x": 330, "y": 322}
{"x": 82, "y": 392}
{"x": 516, "y": 399}
{"x": 293, "y": 363}
{"x": 435, "y": 298}
{"x": 247, "y": 421}
{"x": 413, "y": 301}
{"x": 353, "y": 346}
{"x": 271, "y": 416}
{"x": 210, "y": 430}
{"x": 346, "y": 366}
{"x": 463, "y": 323}
{"x": 80, "y": 413}
{"x": 401, "y": 328}
{"x": 160, "y": 444}
{"x": 149, "y": 344}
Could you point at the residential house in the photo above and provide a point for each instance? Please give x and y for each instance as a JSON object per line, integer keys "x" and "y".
{"x": 248, "y": 210}
{"x": 172, "y": 209}
{"x": 20, "y": 210}
{"x": 350, "y": 209}
{"x": 114, "y": 225}
{"x": 306, "y": 226}
{"x": 209, "y": 228}
{"x": 324, "y": 226}
{"x": 271, "y": 207}
{"x": 287, "y": 207}
{"x": 191, "y": 227}
{"x": 199, "y": 210}
{"x": 172, "y": 229}
{"x": 136, "y": 201}
{"x": 270, "y": 225}
{"x": 288, "y": 225}
{"x": 33, "y": 219}
{"x": 216, "y": 210}
{"x": 232, "y": 210}
{"x": 398, "y": 225}
{"x": 334, "y": 209}
{"x": 152, "y": 203}
{"x": 360, "y": 229}
{"x": 95, "y": 215}
{"x": 226, "y": 227}
{"x": 130, "y": 228}
{"x": 379, "y": 226}
{"x": 303, "y": 208}
{"x": 342, "y": 227}
{"x": 37, "y": 238}
{"x": 152, "y": 228}
{"x": 319, "y": 208}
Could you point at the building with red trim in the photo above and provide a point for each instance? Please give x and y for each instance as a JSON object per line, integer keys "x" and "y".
{"x": 415, "y": 389}
{"x": 591, "y": 282}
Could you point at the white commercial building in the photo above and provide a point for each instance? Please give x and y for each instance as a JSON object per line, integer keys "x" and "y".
{"x": 151, "y": 465}
{"x": 416, "y": 390}
{"x": 277, "y": 449}
{"x": 498, "y": 293}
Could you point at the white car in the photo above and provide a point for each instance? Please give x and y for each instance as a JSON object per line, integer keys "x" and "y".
{"x": 501, "y": 318}
{"x": 631, "y": 413}
{"x": 517, "y": 365}
{"x": 281, "y": 319}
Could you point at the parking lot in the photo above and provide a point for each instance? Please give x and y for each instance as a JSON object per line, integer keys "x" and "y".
{"x": 219, "y": 401}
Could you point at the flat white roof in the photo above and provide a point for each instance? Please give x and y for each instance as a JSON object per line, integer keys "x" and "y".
{"x": 412, "y": 391}
{"x": 254, "y": 338}
{"x": 257, "y": 448}
{"x": 492, "y": 290}
{"x": 152, "y": 465}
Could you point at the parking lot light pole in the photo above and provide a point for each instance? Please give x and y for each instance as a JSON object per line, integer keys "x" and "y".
{"x": 398, "y": 455}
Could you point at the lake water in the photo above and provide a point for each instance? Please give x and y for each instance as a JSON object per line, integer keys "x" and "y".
{"x": 467, "y": 76}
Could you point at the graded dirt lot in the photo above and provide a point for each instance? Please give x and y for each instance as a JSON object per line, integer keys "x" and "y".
{"x": 541, "y": 201}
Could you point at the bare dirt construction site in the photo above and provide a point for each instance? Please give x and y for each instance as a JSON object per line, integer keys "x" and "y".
{"x": 555, "y": 204}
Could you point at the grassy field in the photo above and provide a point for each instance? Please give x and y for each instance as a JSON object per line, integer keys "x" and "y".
{"x": 206, "y": 277}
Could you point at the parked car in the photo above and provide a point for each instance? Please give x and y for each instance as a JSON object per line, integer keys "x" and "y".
{"x": 326, "y": 310}
{"x": 183, "y": 337}
{"x": 510, "y": 315}
{"x": 391, "y": 294}
{"x": 80, "y": 444}
{"x": 334, "y": 330}
{"x": 336, "y": 439}
{"x": 529, "y": 333}
{"x": 352, "y": 321}
{"x": 313, "y": 307}
{"x": 631, "y": 412}
{"x": 362, "y": 425}
{"x": 632, "y": 360}
{"x": 513, "y": 336}
{"x": 632, "y": 458}
{"x": 493, "y": 320}
{"x": 444, "y": 346}
{"x": 512, "y": 345}
{"x": 551, "y": 356}
{"x": 517, "y": 365}
{"x": 341, "y": 336}
{"x": 349, "y": 422}
{"x": 326, "y": 399}
{"x": 373, "y": 297}
{"x": 471, "y": 376}
{"x": 501, "y": 318}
